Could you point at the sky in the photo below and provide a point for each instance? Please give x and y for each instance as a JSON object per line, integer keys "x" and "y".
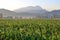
{"x": 15, "y": 4}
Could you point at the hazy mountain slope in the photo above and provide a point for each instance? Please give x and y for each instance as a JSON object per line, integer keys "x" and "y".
{"x": 29, "y": 8}
{"x": 54, "y": 13}
{"x": 6, "y": 12}
{"x": 31, "y": 11}
{"x": 38, "y": 11}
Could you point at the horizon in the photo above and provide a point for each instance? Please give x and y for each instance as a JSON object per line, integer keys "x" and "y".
{"x": 16, "y": 4}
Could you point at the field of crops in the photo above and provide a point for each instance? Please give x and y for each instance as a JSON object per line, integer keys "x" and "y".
{"x": 29, "y": 29}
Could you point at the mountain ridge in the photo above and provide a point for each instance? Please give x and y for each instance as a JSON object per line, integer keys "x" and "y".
{"x": 32, "y": 11}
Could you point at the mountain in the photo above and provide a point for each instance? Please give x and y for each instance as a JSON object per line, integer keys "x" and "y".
{"x": 38, "y": 12}
{"x": 31, "y": 11}
{"x": 54, "y": 14}
{"x": 6, "y": 12}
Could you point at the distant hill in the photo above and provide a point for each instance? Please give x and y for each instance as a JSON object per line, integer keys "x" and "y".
{"x": 6, "y": 12}
{"x": 31, "y": 11}
{"x": 54, "y": 14}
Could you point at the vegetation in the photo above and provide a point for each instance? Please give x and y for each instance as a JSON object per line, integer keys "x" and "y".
{"x": 29, "y": 29}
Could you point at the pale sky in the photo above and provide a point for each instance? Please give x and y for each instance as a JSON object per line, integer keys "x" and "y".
{"x": 15, "y": 4}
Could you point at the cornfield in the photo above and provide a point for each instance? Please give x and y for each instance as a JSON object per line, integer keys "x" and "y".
{"x": 29, "y": 29}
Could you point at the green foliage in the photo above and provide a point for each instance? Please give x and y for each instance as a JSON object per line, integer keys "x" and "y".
{"x": 29, "y": 29}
